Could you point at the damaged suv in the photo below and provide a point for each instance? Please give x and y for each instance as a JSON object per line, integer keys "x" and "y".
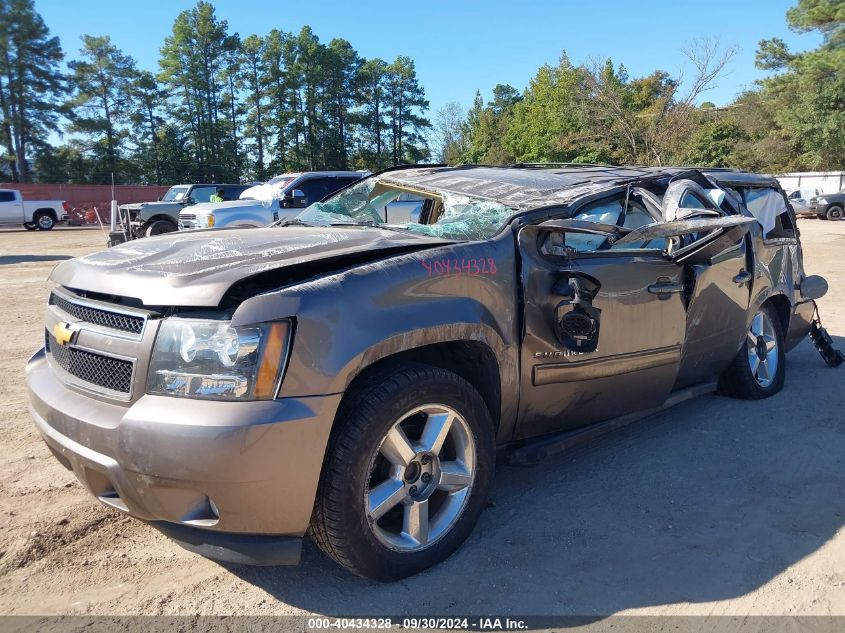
{"x": 354, "y": 378}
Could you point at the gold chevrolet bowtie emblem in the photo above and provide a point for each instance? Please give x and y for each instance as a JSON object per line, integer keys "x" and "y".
{"x": 63, "y": 333}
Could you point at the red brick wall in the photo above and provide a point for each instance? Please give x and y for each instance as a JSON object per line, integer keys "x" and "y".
{"x": 84, "y": 200}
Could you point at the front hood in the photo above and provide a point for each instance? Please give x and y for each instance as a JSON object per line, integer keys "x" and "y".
{"x": 149, "y": 209}
{"x": 196, "y": 268}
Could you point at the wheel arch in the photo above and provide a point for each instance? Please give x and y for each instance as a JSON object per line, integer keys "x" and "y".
{"x": 783, "y": 307}
{"x": 161, "y": 216}
{"x": 473, "y": 360}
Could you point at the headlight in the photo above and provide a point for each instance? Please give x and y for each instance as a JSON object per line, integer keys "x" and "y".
{"x": 198, "y": 358}
{"x": 209, "y": 221}
{"x": 821, "y": 200}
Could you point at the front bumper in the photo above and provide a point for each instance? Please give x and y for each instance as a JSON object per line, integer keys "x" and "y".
{"x": 220, "y": 471}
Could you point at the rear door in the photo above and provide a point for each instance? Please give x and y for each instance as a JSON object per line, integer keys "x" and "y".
{"x": 719, "y": 292}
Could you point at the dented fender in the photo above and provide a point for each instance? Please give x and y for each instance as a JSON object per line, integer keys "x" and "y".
{"x": 350, "y": 319}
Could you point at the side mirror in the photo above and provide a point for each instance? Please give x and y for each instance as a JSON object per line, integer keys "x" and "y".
{"x": 299, "y": 198}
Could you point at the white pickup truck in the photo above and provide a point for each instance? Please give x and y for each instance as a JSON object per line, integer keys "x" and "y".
{"x": 33, "y": 214}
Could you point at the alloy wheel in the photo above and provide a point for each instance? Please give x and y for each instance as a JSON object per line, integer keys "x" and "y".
{"x": 420, "y": 478}
{"x": 762, "y": 347}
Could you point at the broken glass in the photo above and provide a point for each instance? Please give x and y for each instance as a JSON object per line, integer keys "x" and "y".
{"x": 462, "y": 218}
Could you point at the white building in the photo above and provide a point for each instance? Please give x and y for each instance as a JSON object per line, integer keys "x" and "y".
{"x": 819, "y": 182}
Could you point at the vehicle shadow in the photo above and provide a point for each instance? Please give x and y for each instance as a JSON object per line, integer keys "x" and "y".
{"x": 8, "y": 260}
{"x": 706, "y": 501}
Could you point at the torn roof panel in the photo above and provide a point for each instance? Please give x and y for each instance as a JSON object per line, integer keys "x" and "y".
{"x": 524, "y": 188}
{"x": 518, "y": 188}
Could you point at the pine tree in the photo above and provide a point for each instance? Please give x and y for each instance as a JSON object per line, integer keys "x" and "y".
{"x": 252, "y": 50}
{"x": 406, "y": 98}
{"x": 147, "y": 120}
{"x": 191, "y": 65}
{"x": 101, "y": 102}
{"x": 31, "y": 84}
{"x": 371, "y": 97}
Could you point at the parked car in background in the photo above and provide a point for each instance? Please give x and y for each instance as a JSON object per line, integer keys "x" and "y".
{"x": 146, "y": 219}
{"x": 281, "y": 198}
{"x": 829, "y": 206}
{"x": 800, "y": 200}
{"x": 32, "y": 214}
{"x": 269, "y": 189}
{"x": 353, "y": 378}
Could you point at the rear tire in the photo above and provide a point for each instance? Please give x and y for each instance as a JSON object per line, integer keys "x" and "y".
{"x": 30, "y": 226}
{"x": 759, "y": 368}
{"x": 394, "y": 500}
{"x": 160, "y": 227}
{"x": 44, "y": 220}
{"x": 835, "y": 212}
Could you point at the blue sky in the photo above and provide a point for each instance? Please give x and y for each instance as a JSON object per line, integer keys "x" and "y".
{"x": 459, "y": 46}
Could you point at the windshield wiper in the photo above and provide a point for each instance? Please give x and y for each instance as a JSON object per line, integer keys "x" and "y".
{"x": 373, "y": 224}
{"x": 292, "y": 222}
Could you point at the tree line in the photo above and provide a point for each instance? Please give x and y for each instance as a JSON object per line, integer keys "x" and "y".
{"x": 221, "y": 107}
{"x": 596, "y": 113}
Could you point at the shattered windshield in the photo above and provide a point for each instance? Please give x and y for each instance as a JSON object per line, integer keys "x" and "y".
{"x": 382, "y": 203}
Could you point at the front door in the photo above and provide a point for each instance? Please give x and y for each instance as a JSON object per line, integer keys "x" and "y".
{"x": 618, "y": 302}
{"x": 574, "y": 372}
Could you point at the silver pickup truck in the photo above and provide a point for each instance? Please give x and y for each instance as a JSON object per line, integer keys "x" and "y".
{"x": 282, "y": 198}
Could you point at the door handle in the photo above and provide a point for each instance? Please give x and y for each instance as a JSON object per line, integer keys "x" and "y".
{"x": 661, "y": 288}
{"x": 743, "y": 277}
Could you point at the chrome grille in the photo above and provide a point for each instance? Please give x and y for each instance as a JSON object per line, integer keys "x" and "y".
{"x": 102, "y": 371}
{"x": 97, "y": 316}
{"x": 187, "y": 216}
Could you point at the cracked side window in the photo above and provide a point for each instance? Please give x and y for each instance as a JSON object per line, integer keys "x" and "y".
{"x": 606, "y": 212}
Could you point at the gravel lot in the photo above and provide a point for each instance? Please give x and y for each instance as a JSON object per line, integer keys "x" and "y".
{"x": 715, "y": 507}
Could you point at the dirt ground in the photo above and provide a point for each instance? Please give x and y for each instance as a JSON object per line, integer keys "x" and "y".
{"x": 715, "y": 507}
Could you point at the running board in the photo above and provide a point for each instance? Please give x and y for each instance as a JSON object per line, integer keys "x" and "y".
{"x": 538, "y": 449}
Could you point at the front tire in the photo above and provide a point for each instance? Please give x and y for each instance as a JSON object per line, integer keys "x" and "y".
{"x": 160, "y": 227}
{"x": 407, "y": 472}
{"x": 835, "y": 212}
{"x": 759, "y": 369}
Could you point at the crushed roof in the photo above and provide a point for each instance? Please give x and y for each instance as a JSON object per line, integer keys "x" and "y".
{"x": 531, "y": 187}
{"x": 520, "y": 188}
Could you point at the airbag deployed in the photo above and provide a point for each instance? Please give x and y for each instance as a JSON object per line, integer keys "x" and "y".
{"x": 765, "y": 205}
